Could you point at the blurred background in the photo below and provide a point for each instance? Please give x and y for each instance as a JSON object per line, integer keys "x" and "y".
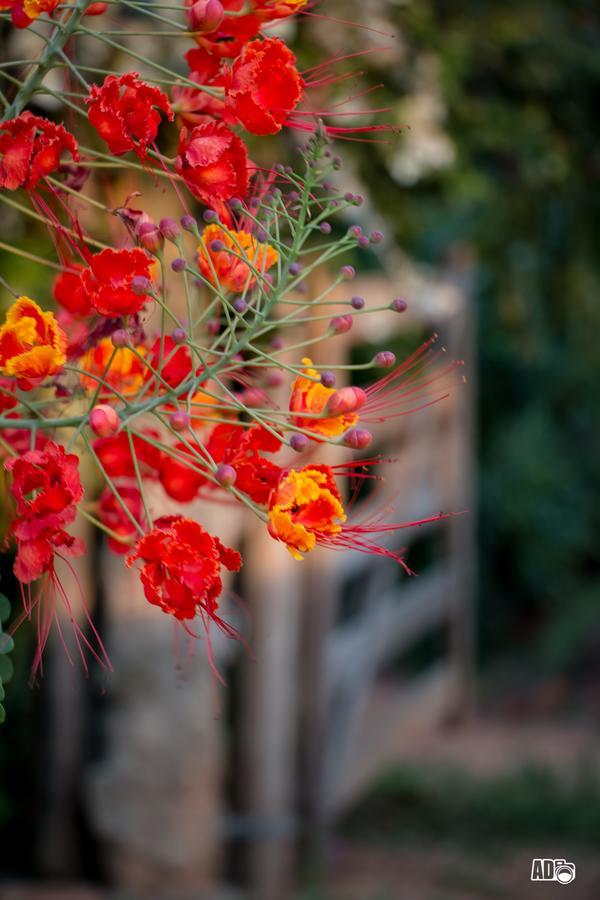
{"x": 395, "y": 738}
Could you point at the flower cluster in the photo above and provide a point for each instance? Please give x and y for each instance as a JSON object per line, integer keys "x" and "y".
{"x": 176, "y": 357}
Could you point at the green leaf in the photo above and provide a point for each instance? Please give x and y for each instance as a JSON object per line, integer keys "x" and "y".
{"x": 4, "y": 608}
{"x": 6, "y": 643}
{"x": 6, "y": 669}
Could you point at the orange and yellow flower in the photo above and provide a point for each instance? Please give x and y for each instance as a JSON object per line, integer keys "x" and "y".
{"x": 127, "y": 371}
{"x": 232, "y": 273}
{"x": 305, "y": 507}
{"x": 310, "y": 396}
{"x": 32, "y": 344}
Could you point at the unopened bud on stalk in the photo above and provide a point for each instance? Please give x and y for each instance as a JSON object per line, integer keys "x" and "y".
{"x": 209, "y": 215}
{"x": 347, "y": 273}
{"x": 340, "y": 324}
{"x": 169, "y": 229}
{"x": 188, "y": 223}
{"x": 205, "y": 16}
{"x": 120, "y": 338}
{"x": 149, "y": 237}
{"x": 299, "y": 442}
{"x": 328, "y": 379}
{"x": 357, "y": 438}
{"x": 346, "y": 400}
{"x": 178, "y": 264}
{"x": 398, "y": 305}
{"x": 294, "y": 268}
{"x": 217, "y": 246}
{"x": 213, "y": 326}
{"x": 385, "y": 359}
{"x": 104, "y": 421}
{"x": 240, "y": 305}
{"x": 226, "y": 475}
{"x": 179, "y": 336}
{"x": 179, "y": 420}
{"x": 357, "y": 302}
{"x": 141, "y": 285}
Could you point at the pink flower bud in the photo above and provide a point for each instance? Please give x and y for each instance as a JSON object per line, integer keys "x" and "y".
{"x": 149, "y": 237}
{"x": 205, "y": 16}
{"x": 357, "y": 438}
{"x": 346, "y": 400}
{"x": 179, "y": 420}
{"x": 299, "y": 442}
{"x": 120, "y": 338}
{"x": 170, "y": 229}
{"x": 385, "y": 359}
{"x": 341, "y": 324}
{"x": 226, "y": 475}
{"x": 104, "y": 421}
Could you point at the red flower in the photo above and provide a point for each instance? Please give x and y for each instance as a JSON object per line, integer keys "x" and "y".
{"x": 126, "y": 112}
{"x": 107, "y": 282}
{"x": 263, "y": 86}
{"x": 112, "y": 514}
{"x": 47, "y": 488}
{"x": 182, "y": 568}
{"x": 213, "y": 162}
{"x": 24, "y": 12}
{"x": 179, "y": 479}
{"x": 178, "y": 365}
{"x": 236, "y": 30}
{"x": 68, "y": 292}
{"x": 193, "y": 105}
{"x": 7, "y": 395}
{"x": 114, "y": 454}
{"x": 238, "y": 447}
{"x": 31, "y": 148}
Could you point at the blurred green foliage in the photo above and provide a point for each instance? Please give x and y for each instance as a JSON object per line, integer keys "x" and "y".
{"x": 414, "y": 803}
{"x": 519, "y": 83}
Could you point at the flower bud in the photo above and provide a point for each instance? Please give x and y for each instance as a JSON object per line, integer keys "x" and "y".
{"x": 178, "y": 264}
{"x": 328, "y": 379}
{"x": 358, "y": 302}
{"x": 341, "y": 324}
{"x": 188, "y": 223}
{"x": 226, "y": 475}
{"x": 149, "y": 237}
{"x": 240, "y": 305}
{"x": 299, "y": 442}
{"x": 169, "y": 229}
{"x": 179, "y": 420}
{"x": 398, "y": 304}
{"x": 217, "y": 246}
{"x": 325, "y": 228}
{"x": 205, "y": 16}
{"x": 346, "y": 400}
{"x": 96, "y": 9}
{"x": 377, "y": 237}
{"x": 357, "y": 438}
{"x": 294, "y": 268}
{"x": 385, "y": 359}
{"x": 363, "y": 241}
{"x": 347, "y": 273}
{"x": 104, "y": 420}
{"x": 120, "y": 338}
{"x": 141, "y": 285}
{"x": 179, "y": 336}
{"x": 236, "y": 204}
{"x": 213, "y": 326}
{"x": 209, "y": 216}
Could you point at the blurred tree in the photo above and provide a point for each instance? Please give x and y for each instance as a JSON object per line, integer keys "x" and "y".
{"x": 502, "y": 152}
